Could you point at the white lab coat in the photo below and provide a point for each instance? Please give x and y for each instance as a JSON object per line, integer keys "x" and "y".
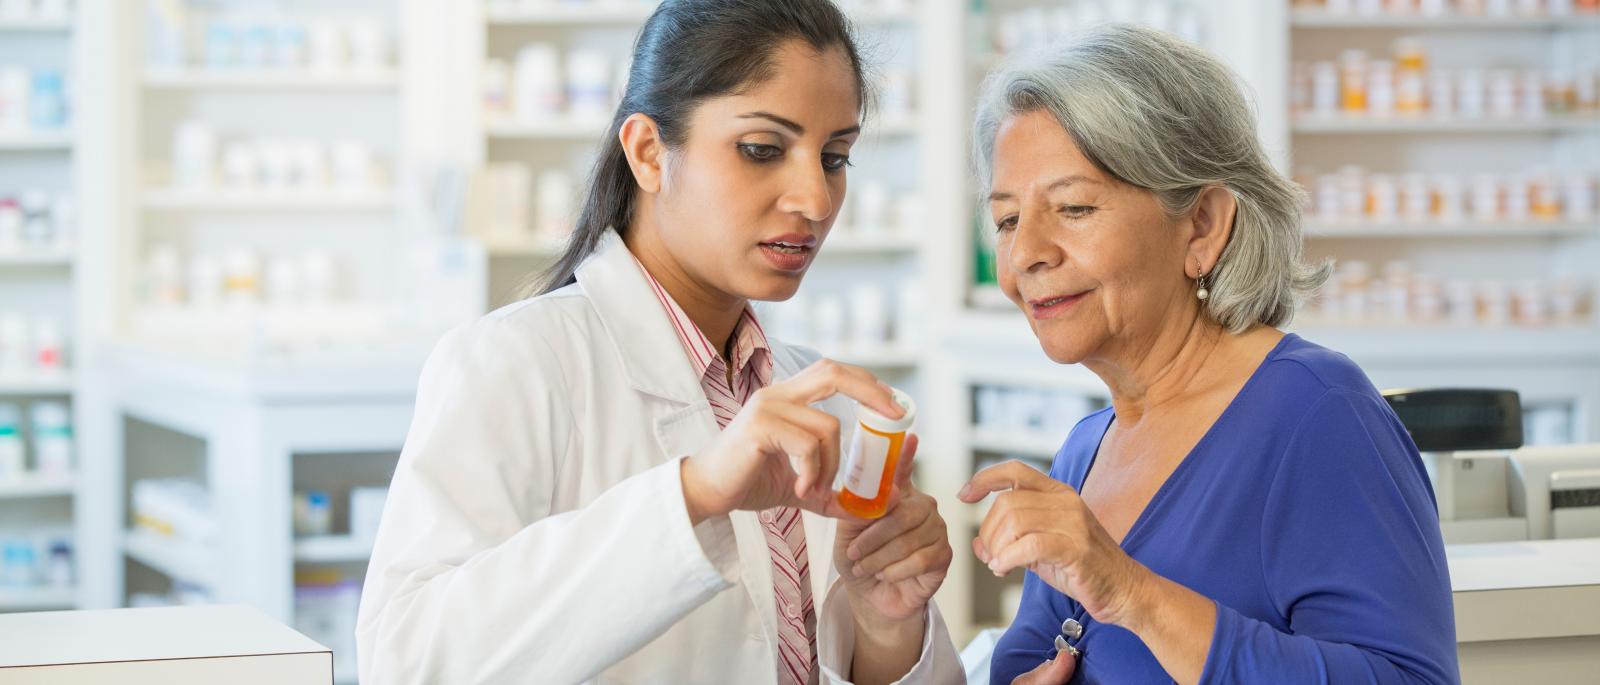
{"x": 535, "y": 531}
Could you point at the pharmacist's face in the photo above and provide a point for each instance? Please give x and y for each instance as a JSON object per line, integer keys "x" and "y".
{"x": 749, "y": 197}
{"x": 1094, "y": 263}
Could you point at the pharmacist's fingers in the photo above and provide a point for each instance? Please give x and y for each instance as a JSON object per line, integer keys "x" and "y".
{"x": 908, "y": 458}
{"x": 825, "y": 427}
{"x": 801, "y": 446}
{"x": 827, "y": 378}
{"x": 913, "y": 513}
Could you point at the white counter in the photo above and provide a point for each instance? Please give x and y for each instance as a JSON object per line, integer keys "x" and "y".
{"x": 1527, "y": 611}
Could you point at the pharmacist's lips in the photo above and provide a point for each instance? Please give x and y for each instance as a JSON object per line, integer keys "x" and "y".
{"x": 795, "y": 240}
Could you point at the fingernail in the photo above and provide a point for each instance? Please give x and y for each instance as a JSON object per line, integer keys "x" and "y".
{"x": 853, "y": 553}
{"x": 856, "y": 570}
{"x": 965, "y": 490}
{"x": 879, "y": 576}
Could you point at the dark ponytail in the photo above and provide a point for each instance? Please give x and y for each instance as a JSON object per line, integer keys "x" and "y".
{"x": 687, "y": 52}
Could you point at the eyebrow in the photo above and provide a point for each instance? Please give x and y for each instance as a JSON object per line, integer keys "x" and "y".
{"x": 1054, "y": 185}
{"x": 797, "y": 128}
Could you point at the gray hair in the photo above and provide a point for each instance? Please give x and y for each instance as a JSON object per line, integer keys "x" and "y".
{"x": 1160, "y": 114}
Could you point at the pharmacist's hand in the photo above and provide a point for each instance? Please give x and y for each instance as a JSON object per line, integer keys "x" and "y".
{"x": 1040, "y": 524}
{"x": 779, "y": 450}
{"x": 891, "y": 566}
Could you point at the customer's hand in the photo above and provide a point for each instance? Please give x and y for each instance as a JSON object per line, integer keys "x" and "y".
{"x": 892, "y": 565}
{"x": 779, "y": 450}
{"x": 1056, "y": 671}
{"x": 1041, "y": 524}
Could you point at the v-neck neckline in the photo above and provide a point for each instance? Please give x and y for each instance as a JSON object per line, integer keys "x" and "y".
{"x": 1173, "y": 479}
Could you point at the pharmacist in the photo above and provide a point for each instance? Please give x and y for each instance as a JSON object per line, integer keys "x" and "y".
{"x": 623, "y": 480}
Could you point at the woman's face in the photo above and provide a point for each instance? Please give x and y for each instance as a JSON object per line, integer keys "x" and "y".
{"x": 1094, "y": 263}
{"x": 749, "y": 197}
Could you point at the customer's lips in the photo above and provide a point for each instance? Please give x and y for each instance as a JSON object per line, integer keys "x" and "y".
{"x": 1054, "y": 305}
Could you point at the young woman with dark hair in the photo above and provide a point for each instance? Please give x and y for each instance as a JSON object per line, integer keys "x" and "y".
{"x": 623, "y": 480}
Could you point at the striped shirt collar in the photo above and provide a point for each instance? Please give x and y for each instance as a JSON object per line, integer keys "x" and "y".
{"x": 750, "y": 340}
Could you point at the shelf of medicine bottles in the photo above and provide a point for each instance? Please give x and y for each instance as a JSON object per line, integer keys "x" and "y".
{"x": 331, "y": 549}
{"x": 176, "y": 559}
{"x": 1021, "y": 445}
{"x": 35, "y": 25}
{"x": 880, "y": 359}
{"x": 590, "y": 131}
{"x": 270, "y": 79}
{"x": 1433, "y": 342}
{"x": 37, "y": 142}
{"x": 1532, "y": 229}
{"x": 57, "y": 257}
{"x": 553, "y": 129}
{"x": 1322, "y": 19}
{"x": 38, "y": 598}
{"x": 50, "y": 384}
{"x": 525, "y": 248}
{"x": 34, "y": 485}
{"x": 267, "y": 200}
{"x": 1364, "y": 124}
{"x": 569, "y": 15}
{"x": 860, "y": 243}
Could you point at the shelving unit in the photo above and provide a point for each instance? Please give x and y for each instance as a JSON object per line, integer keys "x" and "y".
{"x": 1311, "y": 19}
{"x": 1517, "y": 357}
{"x": 1404, "y": 231}
{"x": 35, "y": 486}
{"x": 45, "y": 282}
{"x": 270, "y": 79}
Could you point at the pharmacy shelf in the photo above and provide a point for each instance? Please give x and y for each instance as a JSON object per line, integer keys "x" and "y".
{"x": 1321, "y": 19}
{"x": 568, "y": 15}
{"x": 332, "y": 549}
{"x": 175, "y": 559}
{"x": 38, "y": 599}
{"x": 62, "y": 258}
{"x": 270, "y": 79}
{"x": 1404, "y": 230}
{"x": 280, "y": 201}
{"x": 1313, "y": 124}
{"x": 852, "y": 243}
{"x": 881, "y": 359}
{"x": 37, "y": 142}
{"x": 525, "y": 249}
{"x": 35, "y": 25}
{"x": 554, "y": 129}
{"x": 54, "y": 384}
{"x": 1023, "y": 445}
{"x": 590, "y": 131}
{"x": 36, "y": 486}
{"x": 593, "y": 15}
{"x": 1452, "y": 344}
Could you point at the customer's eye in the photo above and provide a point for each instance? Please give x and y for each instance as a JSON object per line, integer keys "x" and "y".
{"x": 1006, "y": 224}
{"x": 1077, "y": 211}
{"x": 758, "y": 152}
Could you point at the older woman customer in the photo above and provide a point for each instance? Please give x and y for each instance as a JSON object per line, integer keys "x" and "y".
{"x": 1248, "y": 509}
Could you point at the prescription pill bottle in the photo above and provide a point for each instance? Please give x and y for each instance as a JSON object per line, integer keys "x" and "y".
{"x": 867, "y": 475}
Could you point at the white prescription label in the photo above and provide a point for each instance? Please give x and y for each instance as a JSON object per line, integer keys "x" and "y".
{"x": 864, "y": 471}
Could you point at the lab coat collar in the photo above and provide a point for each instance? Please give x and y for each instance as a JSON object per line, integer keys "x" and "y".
{"x": 639, "y": 329}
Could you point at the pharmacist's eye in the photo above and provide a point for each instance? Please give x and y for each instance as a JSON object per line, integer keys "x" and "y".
{"x": 760, "y": 153}
{"x": 835, "y": 162}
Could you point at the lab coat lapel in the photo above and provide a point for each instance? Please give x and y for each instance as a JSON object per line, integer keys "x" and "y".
{"x": 656, "y": 364}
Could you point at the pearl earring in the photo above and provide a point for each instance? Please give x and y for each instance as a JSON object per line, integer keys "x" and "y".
{"x": 1204, "y": 293}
